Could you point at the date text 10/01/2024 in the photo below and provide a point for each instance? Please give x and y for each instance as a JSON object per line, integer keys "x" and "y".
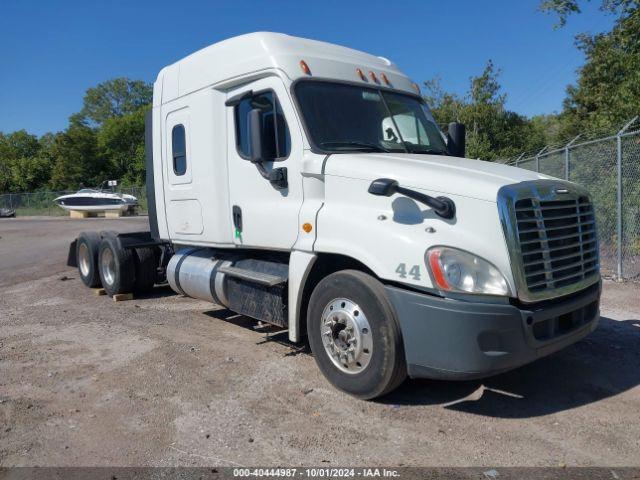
{"x": 315, "y": 472}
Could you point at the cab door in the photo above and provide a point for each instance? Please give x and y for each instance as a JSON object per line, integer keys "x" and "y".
{"x": 183, "y": 207}
{"x": 265, "y": 196}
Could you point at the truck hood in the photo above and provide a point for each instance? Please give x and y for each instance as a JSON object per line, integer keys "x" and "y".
{"x": 447, "y": 175}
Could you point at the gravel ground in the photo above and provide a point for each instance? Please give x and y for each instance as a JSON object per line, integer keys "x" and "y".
{"x": 165, "y": 380}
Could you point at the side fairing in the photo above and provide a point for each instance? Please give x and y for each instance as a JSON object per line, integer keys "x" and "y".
{"x": 391, "y": 234}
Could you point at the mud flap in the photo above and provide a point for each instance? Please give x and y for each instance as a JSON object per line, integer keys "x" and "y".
{"x": 72, "y": 260}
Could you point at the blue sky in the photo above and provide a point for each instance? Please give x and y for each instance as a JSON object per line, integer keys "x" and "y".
{"x": 52, "y": 51}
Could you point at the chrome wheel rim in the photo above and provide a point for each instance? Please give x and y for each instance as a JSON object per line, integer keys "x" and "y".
{"x": 107, "y": 266}
{"x": 84, "y": 259}
{"x": 346, "y": 335}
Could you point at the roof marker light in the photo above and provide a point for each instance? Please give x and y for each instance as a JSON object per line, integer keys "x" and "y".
{"x": 373, "y": 77}
{"x": 361, "y": 74}
{"x": 416, "y": 87}
{"x": 385, "y": 79}
{"x": 305, "y": 68}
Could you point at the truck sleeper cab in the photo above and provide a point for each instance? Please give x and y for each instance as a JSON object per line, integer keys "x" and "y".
{"x": 307, "y": 185}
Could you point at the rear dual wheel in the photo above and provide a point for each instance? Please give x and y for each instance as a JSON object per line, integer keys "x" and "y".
{"x": 102, "y": 261}
{"x": 116, "y": 265}
{"x": 354, "y": 335}
{"x": 87, "y": 248}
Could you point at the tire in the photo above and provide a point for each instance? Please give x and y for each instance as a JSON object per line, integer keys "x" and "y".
{"x": 145, "y": 269}
{"x": 117, "y": 267}
{"x": 358, "y": 301}
{"x": 87, "y": 248}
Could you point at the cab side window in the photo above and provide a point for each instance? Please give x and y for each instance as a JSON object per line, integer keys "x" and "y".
{"x": 179, "y": 150}
{"x": 276, "y": 138}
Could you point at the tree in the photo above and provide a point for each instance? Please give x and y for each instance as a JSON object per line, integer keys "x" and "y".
{"x": 19, "y": 170}
{"x": 607, "y": 93}
{"x": 445, "y": 106}
{"x": 76, "y": 158}
{"x": 113, "y": 98}
{"x": 608, "y": 89}
{"x": 546, "y": 127}
{"x": 492, "y": 131}
{"x": 105, "y": 140}
{"x": 121, "y": 142}
{"x": 5, "y": 174}
{"x": 30, "y": 173}
{"x": 18, "y": 144}
{"x": 564, "y": 8}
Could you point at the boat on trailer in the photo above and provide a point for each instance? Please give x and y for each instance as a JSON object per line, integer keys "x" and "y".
{"x": 97, "y": 200}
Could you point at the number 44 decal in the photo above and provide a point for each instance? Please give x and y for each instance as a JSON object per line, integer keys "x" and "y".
{"x": 414, "y": 271}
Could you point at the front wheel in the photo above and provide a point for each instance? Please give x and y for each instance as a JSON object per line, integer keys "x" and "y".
{"x": 354, "y": 335}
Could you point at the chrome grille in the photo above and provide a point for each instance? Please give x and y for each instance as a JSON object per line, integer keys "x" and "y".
{"x": 557, "y": 241}
{"x": 551, "y": 234}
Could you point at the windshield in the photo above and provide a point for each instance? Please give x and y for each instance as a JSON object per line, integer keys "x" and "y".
{"x": 342, "y": 117}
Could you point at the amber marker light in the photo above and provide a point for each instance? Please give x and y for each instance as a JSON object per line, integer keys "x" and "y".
{"x": 373, "y": 77}
{"x": 304, "y": 67}
{"x": 307, "y": 227}
{"x": 416, "y": 87}
{"x": 436, "y": 268}
{"x": 361, "y": 74}
{"x": 385, "y": 79}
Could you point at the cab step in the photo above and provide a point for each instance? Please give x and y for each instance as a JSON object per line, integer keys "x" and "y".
{"x": 260, "y": 278}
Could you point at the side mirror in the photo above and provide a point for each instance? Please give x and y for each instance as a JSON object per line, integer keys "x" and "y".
{"x": 456, "y": 139}
{"x": 255, "y": 135}
{"x": 278, "y": 178}
{"x": 384, "y": 187}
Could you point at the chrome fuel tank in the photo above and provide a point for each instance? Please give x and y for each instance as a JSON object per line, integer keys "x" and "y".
{"x": 194, "y": 272}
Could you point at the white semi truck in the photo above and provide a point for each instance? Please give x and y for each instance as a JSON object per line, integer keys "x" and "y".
{"x": 307, "y": 185}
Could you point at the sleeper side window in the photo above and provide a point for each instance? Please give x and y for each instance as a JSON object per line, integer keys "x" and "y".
{"x": 276, "y": 138}
{"x": 178, "y": 150}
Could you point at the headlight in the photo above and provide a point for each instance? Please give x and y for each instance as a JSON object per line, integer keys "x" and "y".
{"x": 454, "y": 270}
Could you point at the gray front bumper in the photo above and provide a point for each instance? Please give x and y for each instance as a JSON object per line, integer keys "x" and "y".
{"x": 453, "y": 339}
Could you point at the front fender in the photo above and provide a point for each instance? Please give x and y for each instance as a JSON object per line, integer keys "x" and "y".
{"x": 390, "y": 235}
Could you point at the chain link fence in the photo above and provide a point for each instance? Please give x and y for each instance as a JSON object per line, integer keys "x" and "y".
{"x": 41, "y": 203}
{"x": 609, "y": 168}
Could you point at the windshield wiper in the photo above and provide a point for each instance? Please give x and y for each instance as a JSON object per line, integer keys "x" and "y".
{"x": 355, "y": 145}
{"x": 428, "y": 151}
